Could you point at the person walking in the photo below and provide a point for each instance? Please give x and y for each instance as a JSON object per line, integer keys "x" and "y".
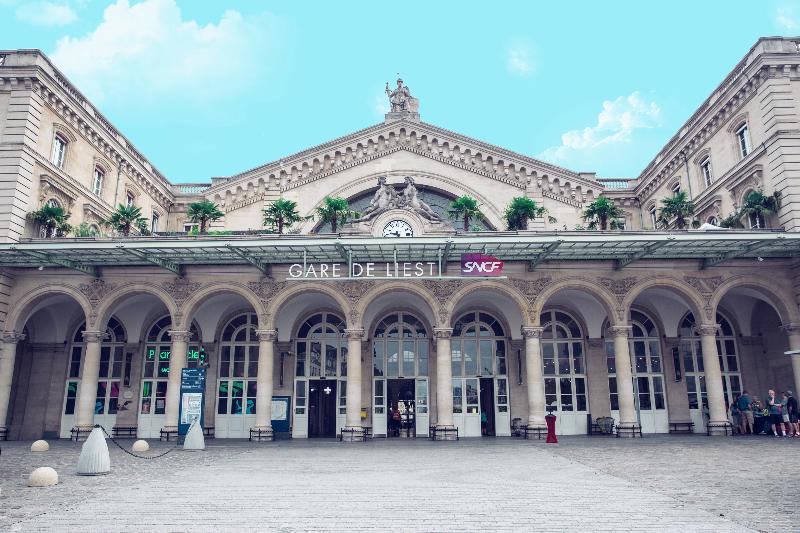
{"x": 745, "y": 405}
{"x": 791, "y": 411}
{"x": 733, "y": 414}
{"x": 775, "y": 418}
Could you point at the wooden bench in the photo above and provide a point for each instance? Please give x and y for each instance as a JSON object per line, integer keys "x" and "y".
{"x": 168, "y": 435}
{"x": 441, "y": 433}
{"x": 124, "y": 431}
{"x": 528, "y": 431}
{"x": 681, "y": 427}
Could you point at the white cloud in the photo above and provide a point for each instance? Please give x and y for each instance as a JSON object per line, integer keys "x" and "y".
{"x": 616, "y": 123}
{"x": 148, "y": 50}
{"x": 785, "y": 18}
{"x": 519, "y": 60}
{"x": 46, "y": 14}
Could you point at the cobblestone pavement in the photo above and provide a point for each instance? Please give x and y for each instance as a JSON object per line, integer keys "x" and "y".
{"x": 664, "y": 483}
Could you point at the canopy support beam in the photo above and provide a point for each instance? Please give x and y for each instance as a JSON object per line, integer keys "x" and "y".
{"x": 619, "y": 264}
{"x": 265, "y": 268}
{"x": 66, "y": 263}
{"x": 711, "y": 261}
{"x": 163, "y": 263}
{"x": 549, "y": 249}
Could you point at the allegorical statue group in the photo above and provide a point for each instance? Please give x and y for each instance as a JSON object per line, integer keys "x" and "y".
{"x": 387, "y": 197}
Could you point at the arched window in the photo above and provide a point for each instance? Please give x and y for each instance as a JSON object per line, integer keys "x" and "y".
{"x": 692, "y": 356}
{"x": 52, "y": 202}
{"x": 714, "y": 221}
{"x": 59, "y": 150}
{"x": 563, "y": 362}
{"x": 647, "y": 369}
{"x": 112, "y": 363}
{"x": 400, "y": 347}
{"x": 156, "y": 366}
{"x": 238, "y": 366}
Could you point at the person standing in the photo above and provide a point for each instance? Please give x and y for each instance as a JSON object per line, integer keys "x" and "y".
{"x": 791, "y": 414}
{"x": 775, "y": 418}
{"x": 745, "y": 406}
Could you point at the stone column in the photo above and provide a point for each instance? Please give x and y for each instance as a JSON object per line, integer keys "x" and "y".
{"x": 793, "y": 332}
{"x": 717, "y": 415}
{"x": 177, "y": 361}
{"x": 87, "y": 388}
{"x": 7, "y": 358}
{"x": 622, "y": 362}
{"x": 353, "y": 399}
{"x": 444, "y": 378}
{"x": 264, "y": 384}
{"x": 534, "y": 376}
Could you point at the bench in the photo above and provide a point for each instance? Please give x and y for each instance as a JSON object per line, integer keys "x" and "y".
{"x": 681, "y": 427}
{"x": 528, "y": 431}
{"x": 367, "y": 432}
{"x": 593, "y": 427}
{"x": 443, "y": 433}
{"x": 257, "y": 434}
{"x": 168, "y": 434}
{"x": 353, "y": 434}
{"x": 208, "y": 431}
{"x": 124, "y": 431}
{"x": 725, "y": 428}
{"x": 3, "y": 434}
{"x": 629, "y": 431}
{"x": 77, "y": 433}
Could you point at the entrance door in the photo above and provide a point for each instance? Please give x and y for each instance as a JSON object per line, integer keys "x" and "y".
{"x": 421, "y": 406}
{"x": 402, "y": 406}
{"x": 322, "y": 408}
{"x": 487, "y": 407}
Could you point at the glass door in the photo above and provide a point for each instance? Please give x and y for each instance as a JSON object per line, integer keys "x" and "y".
{"x": 422, "y": 406}
{"x": 502, "y": 414}
{"x": 379, "y": 407}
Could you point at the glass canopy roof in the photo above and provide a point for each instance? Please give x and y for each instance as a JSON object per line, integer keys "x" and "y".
{"x": 173, "y": 253}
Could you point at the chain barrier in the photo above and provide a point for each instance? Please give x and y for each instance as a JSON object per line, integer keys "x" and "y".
{"x": 130, "y": 452}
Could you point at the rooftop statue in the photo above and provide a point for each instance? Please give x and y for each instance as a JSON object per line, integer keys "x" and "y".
{"x": 400, "y": 98}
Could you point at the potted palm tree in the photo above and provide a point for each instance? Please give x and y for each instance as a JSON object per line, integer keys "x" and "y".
{"x": 758, "y": 206}
{"x": 521, "y": 210}
{"x": 600, "y": 212}
{"x": 125, "y": 219}
{"x": 732, "y": 221}
{"x": 281, "y": 213}
{"x": 677, "y": 207}
{"x": 465, "y": 208}
{"x": 335, "y": 211}
{"x": 203, "y": 212}
{"x": 52, "y": 219}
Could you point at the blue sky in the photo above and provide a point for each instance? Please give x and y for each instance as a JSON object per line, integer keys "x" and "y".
{"x": 211, "y": 88}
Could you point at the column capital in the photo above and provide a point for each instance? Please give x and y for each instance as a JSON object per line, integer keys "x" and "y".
{"x": 94, "y": 336}
{"x": 620, "y": 331}
{"x": 442, "y": 333}
{"x": 355, "y": 334}
{"x": 267, "y": 334}
{"x": 13, "y": 336}
{"x": 790, "y": 329}
{"x": 532, "y": 332}
{"x": 178, "y": 335}
{"x": 707, "y": 329}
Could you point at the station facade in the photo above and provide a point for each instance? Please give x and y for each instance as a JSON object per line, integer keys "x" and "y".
{"x": 313, "y": 332}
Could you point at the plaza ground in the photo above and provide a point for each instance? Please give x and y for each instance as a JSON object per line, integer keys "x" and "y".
{"x": 690, "y": 483}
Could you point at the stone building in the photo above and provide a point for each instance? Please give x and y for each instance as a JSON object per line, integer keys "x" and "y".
{"x": 313, "y": 331}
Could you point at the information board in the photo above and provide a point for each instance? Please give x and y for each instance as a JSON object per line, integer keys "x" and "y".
{"x": 281, "y": 407}
{"x": 193, "y": 387}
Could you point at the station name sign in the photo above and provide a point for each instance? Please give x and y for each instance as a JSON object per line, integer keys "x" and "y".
{"x": 472, "y": 265}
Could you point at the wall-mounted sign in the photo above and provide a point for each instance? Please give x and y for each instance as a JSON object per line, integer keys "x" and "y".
{"x": 481, "y": 265}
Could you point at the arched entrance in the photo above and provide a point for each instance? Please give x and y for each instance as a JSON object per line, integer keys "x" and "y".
{"x": 480, "y": 381}
{"x": 400, "y": 360}
{"x": 112, "y": 371}
{"x": 320, "y": 376}
{"x": 648, "y": 375}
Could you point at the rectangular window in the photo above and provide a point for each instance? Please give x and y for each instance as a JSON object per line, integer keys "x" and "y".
{"x": 422, "y": 359}
{"x": 300, "y": 397}
{"x": 458, "y": 395}
{"x": 408, "y": 358}
{"x": 75, "y": 362}
{"x": 147, "y": 397}
{"x": 502, "y": 395}
{"x": 456, "y": 359}
{"x": 422, "y": 396}
{"x": 743, "y": 140}
{"x": 222, "y": 398}
{"x": 300, "y": 367}
{"x": 472, "y": 396}
{"x": 377, "y": 359}
{"x": 59, "y": 149}
{"x": 342, "y": 397}
{"x": 97, "y": 184}
{"x": 72, "y": 394}
{"x": 676, "y": 188}
{"x": 392, "y": 359}
{"x": 500, "y": 357}
{"x": 550, "y": 397}
{"x": 251, "y": 397}
{"x": 612, "y": 393}
{"x": 129, "y": 199}
{"x": 548, "y": 359}
{"x": 161, "y": 397}
{"x": 705, "y": 169}
{"x": 189, "y": 227}
{"x": 154, "y": 223}
{"x": 653, "y": 217}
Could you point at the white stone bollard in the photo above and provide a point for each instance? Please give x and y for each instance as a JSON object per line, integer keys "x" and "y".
{"x": 194, "y": 439}
{"x": 43, "y": 477}
{"x": 140, "y": 446}
{"x": 40, "y": 446}
{"x": 94, "y": 457}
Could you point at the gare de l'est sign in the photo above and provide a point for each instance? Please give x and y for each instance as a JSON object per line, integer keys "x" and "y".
{"x": 472, "y": 265}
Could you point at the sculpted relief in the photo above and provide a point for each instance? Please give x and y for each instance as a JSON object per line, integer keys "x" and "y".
{"x": 387, "y": 198}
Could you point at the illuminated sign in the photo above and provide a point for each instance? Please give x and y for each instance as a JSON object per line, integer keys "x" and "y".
{"x": 480, "y": 265}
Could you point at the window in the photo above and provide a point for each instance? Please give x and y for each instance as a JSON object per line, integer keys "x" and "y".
{"x": 676, "y": 188}
{"x": 478, "y": 346}
{"x": 188, "y": 227}
{"x": 129, "y": 199}
{"x": 238, "y": 367}
{"x": 743, "y": 140}
{"x": 52, "y": 202}
{"x": 321, "y": 347}
{"x": 59, "y": 150}
{"x": 653, "y": 217}
{"x": 97, "y": 184}
{"x": 563, "y": 362}
{"x": 400, "y": 347}
{"x": 756, "y": 220}
{"x": 705, "y": 169}
{"x": 154, "y": 223}
{"x": 713, "y": 221}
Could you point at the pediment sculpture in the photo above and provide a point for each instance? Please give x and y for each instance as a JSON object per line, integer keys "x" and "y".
{"x": 387, "y": 198}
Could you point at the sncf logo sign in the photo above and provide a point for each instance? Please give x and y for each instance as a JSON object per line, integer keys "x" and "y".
{"x": 480, "y": 265}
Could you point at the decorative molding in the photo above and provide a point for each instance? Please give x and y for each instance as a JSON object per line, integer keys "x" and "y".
{"x": 96, "y": 290}
{"x": 442, "y": 290}
{"x": 529, "y": 332}
{"x": 354, "y": 334}
{"x": 618, "y": 287}
{"x": 706, "y": 329}
{"x": 267, "y": 334}
{"x": 94, "y": 336}
{"x": 180, "y": 335}
{"x": 619, "y": 331}
{"x": 705, "y": 285}
{"x": 442, "y": 333}
{"x": 180, "y": 289}
{"x": 13, "y": 336}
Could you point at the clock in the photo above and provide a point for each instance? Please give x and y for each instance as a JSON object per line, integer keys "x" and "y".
{"x": 398, "y": 228}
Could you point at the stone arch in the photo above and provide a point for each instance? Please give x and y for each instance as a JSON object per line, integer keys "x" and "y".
{"x": 684, "y": 290}
{"x": 604, "y": 298}
{"x": 384, "y": 288}
{"x": 493, "y": 286}
{"x": 193, "y": 303}
{"x": 785, "y": 307}
{"x": 115, "y": 297}
{"x": 296, "y": 289}
{"x": 19, "y": 313}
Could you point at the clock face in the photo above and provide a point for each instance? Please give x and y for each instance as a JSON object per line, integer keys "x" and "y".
{"x": 398, "y": 228}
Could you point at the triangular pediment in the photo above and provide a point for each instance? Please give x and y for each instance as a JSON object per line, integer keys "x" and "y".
{"x": 426, "y": 140}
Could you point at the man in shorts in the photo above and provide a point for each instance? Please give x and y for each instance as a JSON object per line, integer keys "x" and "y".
{"x": 794, "y": 416}
{"x": 745, "y": 406}
{"x": 775, "y": 418}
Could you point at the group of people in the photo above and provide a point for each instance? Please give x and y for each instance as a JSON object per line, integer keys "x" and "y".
{"x": 751, "y": 416}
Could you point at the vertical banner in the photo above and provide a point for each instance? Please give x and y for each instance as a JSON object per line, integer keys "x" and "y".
{"x": 193, "y": 386}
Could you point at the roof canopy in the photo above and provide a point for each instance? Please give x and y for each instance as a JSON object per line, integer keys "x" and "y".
{"x": 86, "y": 255}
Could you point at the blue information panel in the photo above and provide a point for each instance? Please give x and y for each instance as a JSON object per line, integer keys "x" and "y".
{"x": 193, "y": 388}
{"x": 281, "y": 409}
